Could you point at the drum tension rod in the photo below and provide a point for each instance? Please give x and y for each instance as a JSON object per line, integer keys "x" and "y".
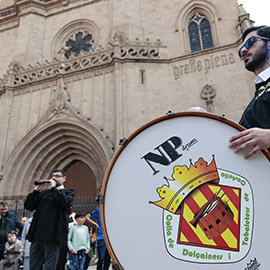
{"x": 123, "y": 141}
{"x": 170, "y": 113}
{"x": 100, "y": 199}
{"x": 223, "y": 116}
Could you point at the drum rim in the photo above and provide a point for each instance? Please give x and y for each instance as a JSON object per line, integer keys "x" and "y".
{"x": 169, "y": 115}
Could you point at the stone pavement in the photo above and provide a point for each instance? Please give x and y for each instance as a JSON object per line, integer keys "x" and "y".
{"x": 93, "y": 265}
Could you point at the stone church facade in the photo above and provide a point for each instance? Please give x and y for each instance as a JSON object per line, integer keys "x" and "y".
{"x": 76, "y": 76}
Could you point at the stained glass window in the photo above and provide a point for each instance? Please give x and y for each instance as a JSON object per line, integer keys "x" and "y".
{"x": 81, "y": 43}
{"x": 194, "y": 37}
{"x": 206, "y": 34}
{"x": 200, "y": 35}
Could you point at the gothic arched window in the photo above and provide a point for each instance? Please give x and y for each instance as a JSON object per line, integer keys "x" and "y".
{"x": 200, "y": 35}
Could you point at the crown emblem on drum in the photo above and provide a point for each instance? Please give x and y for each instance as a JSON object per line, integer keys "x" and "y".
{"x": 184, "y": 181}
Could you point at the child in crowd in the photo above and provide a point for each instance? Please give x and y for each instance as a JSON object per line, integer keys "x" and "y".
{"x": 11, "y": 253}
{"x": 93, "y": 238}
{"x": 25, "y": 246}
{"x": 78, "y": 244}
{"x": 23, "y": 220}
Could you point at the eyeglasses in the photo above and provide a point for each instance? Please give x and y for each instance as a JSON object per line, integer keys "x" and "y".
{"x": 56, "y": 175}
{"x": 249, "y": 43}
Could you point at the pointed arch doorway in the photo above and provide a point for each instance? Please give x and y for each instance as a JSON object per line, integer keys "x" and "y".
{"x": 81, "y": 178}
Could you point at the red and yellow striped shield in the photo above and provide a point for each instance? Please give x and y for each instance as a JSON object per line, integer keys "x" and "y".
{"x": 196, "y": 236}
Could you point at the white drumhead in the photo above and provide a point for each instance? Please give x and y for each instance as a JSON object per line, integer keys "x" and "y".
{"x": 156, "y": 183}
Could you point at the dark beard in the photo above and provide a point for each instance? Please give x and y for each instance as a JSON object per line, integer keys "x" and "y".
{"x": 258, "y": 59}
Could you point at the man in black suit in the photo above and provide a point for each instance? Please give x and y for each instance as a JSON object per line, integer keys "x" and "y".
{"x": 255, "y": 53}
{"x": 49, "y": 227}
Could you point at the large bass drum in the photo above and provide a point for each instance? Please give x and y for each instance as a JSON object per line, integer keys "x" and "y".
{"x": 175, "y": 196}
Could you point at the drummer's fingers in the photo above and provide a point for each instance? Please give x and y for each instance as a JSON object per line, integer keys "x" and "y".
{"x": 252, "y": 152}
{"x": 243, "y": 143}
{"x": 238, "y": 136}
{"x": 241, "y": 140}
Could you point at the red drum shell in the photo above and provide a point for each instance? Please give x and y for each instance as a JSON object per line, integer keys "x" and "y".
{"x": 217, "y": 221}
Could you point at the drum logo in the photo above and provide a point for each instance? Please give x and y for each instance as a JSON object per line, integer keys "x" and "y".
{"x": 207, "y": 213}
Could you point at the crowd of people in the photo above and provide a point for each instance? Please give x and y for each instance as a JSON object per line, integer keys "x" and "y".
{"x": 44, "y": 240}
{"x": 10, "y": 233}
{"x": 54, "y": 237}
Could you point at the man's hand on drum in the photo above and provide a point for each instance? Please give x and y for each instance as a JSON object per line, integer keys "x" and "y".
{"x": 257, "y": 137}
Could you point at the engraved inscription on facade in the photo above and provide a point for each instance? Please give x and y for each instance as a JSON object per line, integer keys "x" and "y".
{"x": 204, "y": 65}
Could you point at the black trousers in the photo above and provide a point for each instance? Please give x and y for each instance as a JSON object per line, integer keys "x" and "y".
{"x": 44, "y": 254}
{"x": 62, "y": 258}
{"x": 1, "y": 253}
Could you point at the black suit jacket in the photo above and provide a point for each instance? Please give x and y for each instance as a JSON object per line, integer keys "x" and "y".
{"x": 50, "y": 221}
{"x": 257, "y": 113}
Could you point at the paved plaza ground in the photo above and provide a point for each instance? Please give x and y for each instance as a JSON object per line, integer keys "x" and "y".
{"x": 93, "y": 265}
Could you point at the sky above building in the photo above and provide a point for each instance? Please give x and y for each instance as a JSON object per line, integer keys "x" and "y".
{"x": 258, "y": 10}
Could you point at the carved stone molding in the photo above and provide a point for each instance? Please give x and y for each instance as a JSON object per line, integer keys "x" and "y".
{"x": 60, "y": 106}
{"x": 19, "y": 75}
{"x": 43, "y": 149}
{"x": 68, "y": 41}
{"x": 208, "y": 93}
{"x": 244, "y": 20}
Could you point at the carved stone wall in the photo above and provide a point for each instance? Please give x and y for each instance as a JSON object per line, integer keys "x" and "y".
{"x": 77, "y": 76}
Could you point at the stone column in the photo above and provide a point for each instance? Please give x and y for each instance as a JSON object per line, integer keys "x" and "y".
{"x": 5, "y": 113}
